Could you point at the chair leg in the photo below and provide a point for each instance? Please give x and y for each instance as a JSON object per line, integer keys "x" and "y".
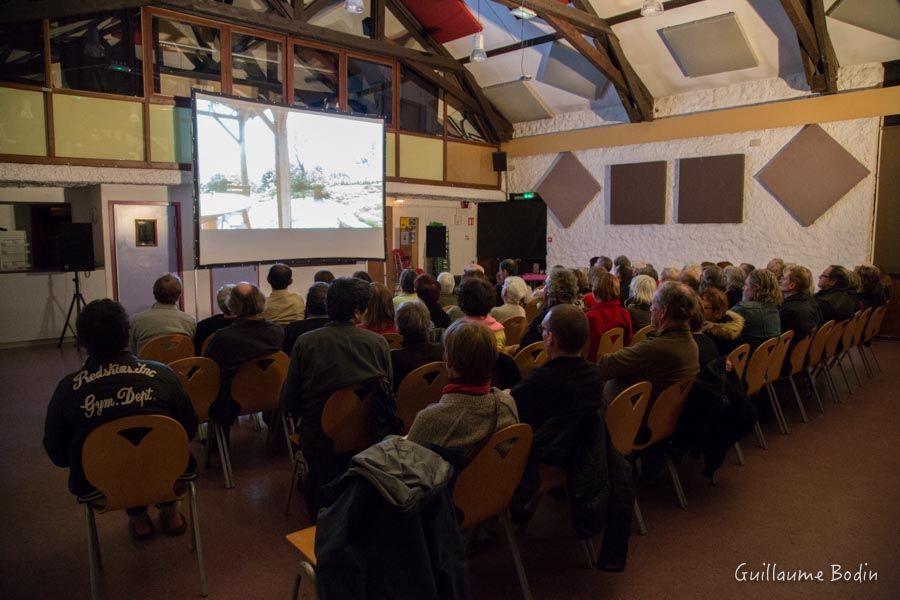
{"x": 739, "y": 453}
{"x": 639, "y": 517}
{"x": 829, "y": 379}
{"x": 294, "y": 477}
{"x": 224, "y": 457}
{"x": 296, "y": 593}
{"x": 195, "y": 536}
{"x": 865, "y": 361}
{"x": 815, "y": 389}
{"x": 800, "y": 405}
{"x": 844, "y": 375}
{"x": 676, "y": 482}
{"x": 760, "y": 438}
{"x": 287, "y": 435}
{"x": 93, "y": 552}
{"x": 776, "y": 408}
{"x": 514, "y": 549}
{"x": 875, "y": 358}
{"x": 254, "y": 418}
{"x": 589, "y": 553}
{"x": 852, "y": 367}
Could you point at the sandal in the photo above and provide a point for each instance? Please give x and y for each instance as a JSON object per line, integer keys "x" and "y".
{"x": 168, "y": 521}
{"x": 146, "y": 525}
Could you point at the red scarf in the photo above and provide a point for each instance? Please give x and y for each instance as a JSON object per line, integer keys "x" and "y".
{"x": 458, "y": 386}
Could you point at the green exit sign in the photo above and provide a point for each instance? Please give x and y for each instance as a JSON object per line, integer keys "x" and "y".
{"x": 525, "y": 196}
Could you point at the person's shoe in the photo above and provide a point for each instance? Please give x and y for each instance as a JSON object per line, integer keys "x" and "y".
{"x": 141, "y": 527}
{"x": 172, "y": 521}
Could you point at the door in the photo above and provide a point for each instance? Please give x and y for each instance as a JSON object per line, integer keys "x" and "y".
{"x": 146, "y": 244}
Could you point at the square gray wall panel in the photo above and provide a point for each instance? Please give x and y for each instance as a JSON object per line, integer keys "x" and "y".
{"x": 517, "y": 101}
{"x": 637, "y": 193}
{"x": 880, "y": 16}
{"x": 568, "y": 70}
{"x": 711, "y": 189}
{"x": 709, "y": 46}
{"x": 567, "y": 188}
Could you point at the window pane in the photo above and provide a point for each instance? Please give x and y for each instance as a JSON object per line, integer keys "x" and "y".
{"x": 315, "y": 78}
{"x": 22, "y": 53}
{"x": 369, "y": 88}
{"x": 419, "y": 105}
{"x": 461, "y": 123}
{"x": 256, "y": 67}
{"x": 100, "y": 53}
{"x": 187, "y": 56}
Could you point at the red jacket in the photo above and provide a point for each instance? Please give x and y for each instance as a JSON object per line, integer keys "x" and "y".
{"x": 602, "y": 317}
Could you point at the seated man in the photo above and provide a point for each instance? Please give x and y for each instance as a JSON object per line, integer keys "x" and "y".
{"x": 103, "y": 390}
{"x": 413, "y": 323}
{"x": 798, "y": 311}
{"x": 210, "y": 325}
{"x": 323, "y": 361}
{"x": 249, "y": 336}
{"x": 667, "y": 357}
{"x": 164, "y": 317}
{"x": 282, "y": 306}
{"x": 316, "y": 316}
{"x": 835, "y": 297}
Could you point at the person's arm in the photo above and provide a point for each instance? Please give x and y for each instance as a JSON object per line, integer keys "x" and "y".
{"x": 57, "y": 427}
{"x": 627, "y": 361}
{"x": 528, "y": 399}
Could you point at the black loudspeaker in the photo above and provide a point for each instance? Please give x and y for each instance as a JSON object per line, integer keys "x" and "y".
{"x": 499, "y": 160}
{"x": 435, "y": 241}
{"x": 76, "y": 247}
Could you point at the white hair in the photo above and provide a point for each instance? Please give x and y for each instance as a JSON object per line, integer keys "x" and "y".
{"x": 514, "y": 290}
{"x": 447, "y": 282}
{"x": 642, "y": 288}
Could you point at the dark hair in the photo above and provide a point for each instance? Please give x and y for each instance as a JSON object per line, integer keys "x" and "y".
{"x": 689, "y": 279}
{"x": 569, "y": 327}
{"x": 103, "y": 327}
{"x": 408, "y": 281}
{"x": 593, "y": 261}
{"x": 508, "y": 265}
{"x": 475, "y": 297}
{"x": 167, "y": 289}
{"x": 380, "y": 309}
{"x": 427, "y": 289}
{"x": 647, "y": 270}
{"x": 625, "y": 273}
{"x": 315, "y": 299}
{"x": 606, "y": 262}
{"x": 345, "y": 296}
{"x": 364, "y": 275}
{"x": 561, "y": 287}
{"x": 246, "y": 300}
{"x": 678, "y": 299}
{"x": 622, "y": 261}
{"x": 840, "y": 274}
{"x": 280, "y": 276}
{"x": 717, "y": 299}
{"x": 712, "y": 276}
{"x": 869, "y": 278}
{"x": 747, "y": 268}
{"x": 324, "y": 276}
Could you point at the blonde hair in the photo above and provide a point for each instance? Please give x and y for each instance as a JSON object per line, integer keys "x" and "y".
{"x": 764, "y": 286}
{"x": 642, "y": 288}
{"x": 380, "y": 311}
{"x": 471, "y": 349}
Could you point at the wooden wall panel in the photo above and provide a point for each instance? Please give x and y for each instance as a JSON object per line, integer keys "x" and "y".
{"x": 421, "y": 157}
{"x": 98, "y": 128}
{"x": 468, "y": 163}
{"x": 23, "y": 126}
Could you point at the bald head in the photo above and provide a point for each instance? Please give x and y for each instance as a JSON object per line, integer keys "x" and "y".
{"x": 246, "y": 300}
{"x": 566, "y": 330}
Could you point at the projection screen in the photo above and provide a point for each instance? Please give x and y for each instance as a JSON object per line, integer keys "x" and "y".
{"x": 273, "y": 183}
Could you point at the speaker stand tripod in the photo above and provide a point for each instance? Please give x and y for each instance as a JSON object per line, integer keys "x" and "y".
{"x": 77, "y": 304}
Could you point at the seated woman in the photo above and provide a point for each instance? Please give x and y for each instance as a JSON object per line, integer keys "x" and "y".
{"x": 476, "y": 299}
{"x": 759, "y": 308}
{"x": 871, "y": 292}
{"x": 734, "y": 284}
{"x": 413, "y": 323}
{"x": 448, "y": 283}
{"x": 379, "y": 316}
{"x": 407, "y": 287}
{"x": 639, "y": 298}
{"x": 722, "y": 325}
{"x": 428, "y": 290}
{"x": 607, "y": 313}
{"x": 514, "y": 292}
{"x": 469, "y": 410}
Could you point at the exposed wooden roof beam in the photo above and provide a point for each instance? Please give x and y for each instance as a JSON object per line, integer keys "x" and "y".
{"x": 819, "y": 60}
{"x": 445, "y": 84}
{"x": 16, "y": 11}
{"x": 315, "y": 7}
{"x": 281, "y": 8}
{"x": 535, "y": 41}
{"x": 589, "y": 23}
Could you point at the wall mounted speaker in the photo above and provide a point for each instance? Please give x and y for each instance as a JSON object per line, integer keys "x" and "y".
{"x": 499, "y": 160}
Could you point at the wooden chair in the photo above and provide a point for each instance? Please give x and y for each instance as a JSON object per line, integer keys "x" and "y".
{"x": 756, "y": 374}
{"x": 127, "y": 475}
{"x": 394, "y": 340}
{"x": 448, "y": 308}
{"x": 871, "y": 330}
{"x": 829, "y": 359}
{"x": 815, "y": 356}
{"x": 737, "y": 358}
{"x": 854, "y": 338}
{"x": 796, "y": 365}
{"x": 532, "y": 309}
{"x": 773, "y": 374}
{"x": 531, "y": 357}
{"x": 200, "y": 379}
{"x": 305, "y": 543}
{"x": 167, "y": 348}
{"x": 640, "y": 335}
{"x": 611, "y": 340}
{"x": 662, "y": 421}
{"x": 623, "y": 418}
{"x": 485, "y": 486}
{"x": 421, "y": 387}
{"x": 514, "y": 328}
{"x": 256, "y": 387}
{"x": 846, "y": 345}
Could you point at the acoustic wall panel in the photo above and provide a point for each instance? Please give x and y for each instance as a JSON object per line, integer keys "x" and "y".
{"x": 880, "y": 16}
{"x": 568, "y": 70}
{"x": 518, "y": 101}
{"x": 637, "y": 193}
{"x": 470, "y": 163}
{"x": 23, "y": 128}
{"x": 98, "y": 128}
{"x": 568, "y": 188}
{"x": 421, "y": 157}
{"x": 811, "y": 174}
{"x": 711, "y": 189}
{"x": 709, "y": 46}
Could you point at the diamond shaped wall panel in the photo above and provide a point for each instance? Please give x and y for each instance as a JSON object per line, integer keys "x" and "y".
{"x": 637, "y": 193}
{"x": 568, "y": 188}
{"x": 711, "y": 189}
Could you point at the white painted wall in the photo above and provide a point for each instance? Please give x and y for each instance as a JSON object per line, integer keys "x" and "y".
{"x": 463, "y": 236}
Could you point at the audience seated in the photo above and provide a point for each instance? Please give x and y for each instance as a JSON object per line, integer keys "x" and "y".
{"x": 476, "y": 299}
{"x": 639, "y": 298}
{"x": 164, "y": 317}
{"x": 407, "y": 287}
{"x": 328, "y": 359}
{"x": 871, "y": 293}
{"x": 647, "y": 270}
{"x": 316, "y": 315}
{"x": 776, "y": 267}
{"x": 669, "y": 274}
{"x": 413, "y": 323}
{"x": 110, "y": 385}
{"x": 282, "y": 306}
{"x": 469, "y": 410}
{"x": 506, "y": 269}
{"x": 364, "y": 275}
{"x": 734, "y": 284}
{"x": 514, "y": 292}
{"x": 836, "y": 299}
{"x": 210, "y": 325}
{"x": 759, "y": 308}
{"x": 249, "y": 336}
{"x": 690, "y": 278}
{"x": 606, "y": 263}
{"x": 707, "y": 351}
{"x": 624, "y": 273}
{"x": 798, "y": 311}
{"x": 428, "y": 291}
{"x": 379, "y": 315}
{"x": 747, "y": 268}
{"x": 588, "y": 300}
{"x": 724, "y": 326}
{"x": 561, "y": 288}
{"x": 712, "y": 276}
{"x": 668, "y": 356}
{"x": 324, "y": 276}
{"x": 448, "y": 283}
{"x": 584, "y": 286}
{"x": 607, "y": 313}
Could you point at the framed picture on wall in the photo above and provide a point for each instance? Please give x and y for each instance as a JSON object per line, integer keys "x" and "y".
{"x": 145, "y": 233}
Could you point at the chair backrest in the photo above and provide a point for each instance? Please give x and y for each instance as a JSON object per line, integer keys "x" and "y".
{"x": 167, "y": 348}
{"x": 347, "y": 418}
{"x": 664, "y": 413}
{"x": 514, "y": 327}
{"x": 860, "y": 330}
{"x": 421, "y": 387}
{"x": 817, "y": 347}
{"x": 640, "y": 335}
{"x": 611, "y": 340}
{"x": 449, "y": 307}
{"x": 205, "y": 344}
{"x": 532, "y": 309}
{"x": 779, "y": 354}
{"x": 257, "y": 384}
{"x": 874, "y": 324}
{"x": 135, "y": 461}
{"x": 625, "y": 414}
{"x": 486, "y": 485}
{"x": 850, "y": 331}
{"x": 798, "y": 354}
{"x": 738, "y": 359}
{"x": 834, "y": 338}
{"x": 755, "y": 376}
{"x": 200, "y": 379}
{"x": 531, "y": 357}
{"x": 394, "y": 340}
